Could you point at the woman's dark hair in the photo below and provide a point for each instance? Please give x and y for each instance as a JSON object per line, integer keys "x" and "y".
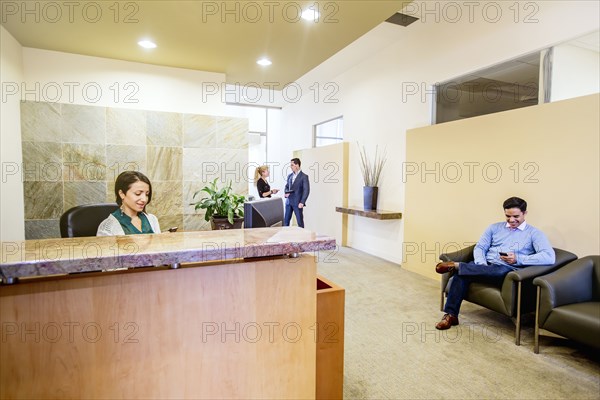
{"x": 128, "y": 178}
{"x": 515, "y": 202}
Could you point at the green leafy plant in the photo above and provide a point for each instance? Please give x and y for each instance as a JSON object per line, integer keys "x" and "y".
{"x": 220, "y": 202}
{"x": 371, "y": 171}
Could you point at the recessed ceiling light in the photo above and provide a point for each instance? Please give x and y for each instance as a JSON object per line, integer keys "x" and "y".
{"x": 147, "y": 44}
{"x": 310, "y": 14}
{"x": 264, "y": 62}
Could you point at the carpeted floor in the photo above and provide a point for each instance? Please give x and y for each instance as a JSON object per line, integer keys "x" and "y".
{"x": 393, "y": 351}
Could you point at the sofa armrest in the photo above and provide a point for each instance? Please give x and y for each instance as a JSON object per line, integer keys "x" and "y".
{"x": 462, "y": 255}
{"x": 524, "y": 274}
{"x": 530, "y": 272}
{"x": 570, "y": 284}
{"x": 509, "y": 291}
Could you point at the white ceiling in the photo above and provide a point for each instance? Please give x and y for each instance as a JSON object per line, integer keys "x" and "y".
{"x": 216, "y": 36}
{"x": 590, "y": 42}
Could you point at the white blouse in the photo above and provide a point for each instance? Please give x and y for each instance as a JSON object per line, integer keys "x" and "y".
{"x": 111, "y": 226}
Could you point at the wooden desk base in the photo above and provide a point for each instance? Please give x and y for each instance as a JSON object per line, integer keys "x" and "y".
{"x": 330, "y": 339}
{"x": 233, "y": 330}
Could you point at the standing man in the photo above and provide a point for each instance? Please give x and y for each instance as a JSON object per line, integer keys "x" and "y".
{"x": 503, "y": 247}
{"x": 297, "y": 190}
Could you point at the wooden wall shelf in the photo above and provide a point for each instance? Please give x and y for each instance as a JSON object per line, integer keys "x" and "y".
{"x": 375, "y": 214}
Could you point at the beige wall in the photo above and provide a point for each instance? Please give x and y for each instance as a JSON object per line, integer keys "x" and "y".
{"x": 546, "y": 154}
{"x": 327, "y": 169}
{"x": 380, "y": 84}
{"x": 97, "y": 81}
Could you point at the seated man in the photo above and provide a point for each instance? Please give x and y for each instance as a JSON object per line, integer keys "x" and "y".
{"x": 503, "y": 247}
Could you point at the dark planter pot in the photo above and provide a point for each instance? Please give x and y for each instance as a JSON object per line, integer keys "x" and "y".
{"x": 370, "y": 197}
{"x": 220, "y": 223}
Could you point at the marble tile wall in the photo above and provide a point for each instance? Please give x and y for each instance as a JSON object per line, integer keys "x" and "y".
{"x": 73, "y": 153}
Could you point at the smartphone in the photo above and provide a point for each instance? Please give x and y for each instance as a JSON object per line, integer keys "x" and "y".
{"x": 503, "y": 254}
{"x": 173, "y": 229}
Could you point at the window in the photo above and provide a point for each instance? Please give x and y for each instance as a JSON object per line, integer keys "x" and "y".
{"x": 512, "y": 84}
{"x": 257, "y": 129}
{"x": 328, "y": 132}
{"x": 259, "y": 124}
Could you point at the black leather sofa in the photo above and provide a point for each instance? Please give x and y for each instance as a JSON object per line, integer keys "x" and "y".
{"x": 568, "y": 302}
{"x": 514, "y": 296}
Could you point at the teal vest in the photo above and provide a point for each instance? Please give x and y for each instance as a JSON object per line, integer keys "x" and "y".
{"x": 128, "y": 227}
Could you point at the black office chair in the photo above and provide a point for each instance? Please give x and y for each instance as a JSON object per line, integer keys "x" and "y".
{"x": 84, "y": 220}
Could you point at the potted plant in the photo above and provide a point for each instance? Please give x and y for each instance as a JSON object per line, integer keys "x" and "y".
{"x": 224, "y": 209}
{"x": 371, "y": 172}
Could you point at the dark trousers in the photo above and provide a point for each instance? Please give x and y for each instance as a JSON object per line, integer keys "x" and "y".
{"x": 298, "y": 212}
{"x": 471, "y": 272}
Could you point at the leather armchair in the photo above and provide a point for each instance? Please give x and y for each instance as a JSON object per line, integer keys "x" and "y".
{"x": 84, "y": 220}
{"x": 514, "y": 297}
{"x": 568, "y": 302}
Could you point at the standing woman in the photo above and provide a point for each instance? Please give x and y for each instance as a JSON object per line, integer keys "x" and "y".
{"x": 260, "y": 179}
{"x": 133, "y": 191}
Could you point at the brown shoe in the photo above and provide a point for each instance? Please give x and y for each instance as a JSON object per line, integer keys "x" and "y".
{"x": 447, "y": 322}
{"x": 446, "y": 266}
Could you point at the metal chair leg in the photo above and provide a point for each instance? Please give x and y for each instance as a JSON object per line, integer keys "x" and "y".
{"x": 518, "y": 327}
{"x": 442, "y": 300}
{"x": 536, "y": 343}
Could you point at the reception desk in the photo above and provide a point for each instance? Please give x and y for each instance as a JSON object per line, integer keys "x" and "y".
{"x": 223, "y": 314}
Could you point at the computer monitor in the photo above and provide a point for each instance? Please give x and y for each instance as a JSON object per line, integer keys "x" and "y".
{"x": 263, "y": 213}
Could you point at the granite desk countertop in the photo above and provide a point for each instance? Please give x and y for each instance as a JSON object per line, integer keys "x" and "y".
{"x": 29, "y": 258}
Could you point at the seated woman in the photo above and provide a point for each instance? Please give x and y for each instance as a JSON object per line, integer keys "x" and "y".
{"x": 260, "y": 179}
{"x": 133, "y": 192}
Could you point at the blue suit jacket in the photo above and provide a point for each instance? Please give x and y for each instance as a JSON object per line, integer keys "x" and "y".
{"x": 301, "y": 189}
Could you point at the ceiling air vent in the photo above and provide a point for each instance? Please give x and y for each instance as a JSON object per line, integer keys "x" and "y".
{"x": 401, "y": 19}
